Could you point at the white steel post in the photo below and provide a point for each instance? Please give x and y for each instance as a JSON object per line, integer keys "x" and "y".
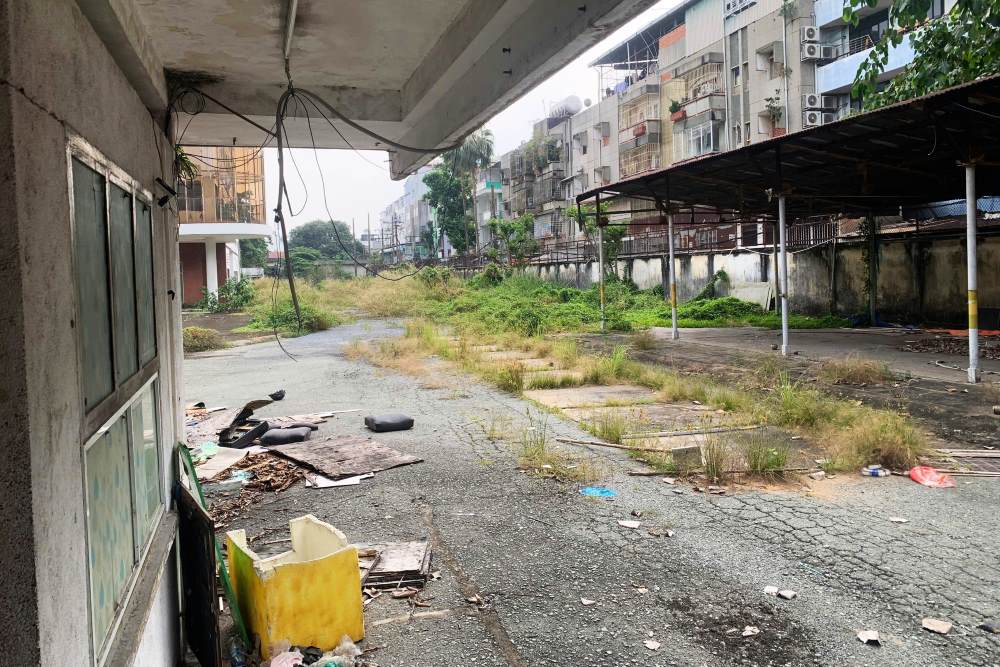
{"x": 783, "y": 274}
{"x": 970, "y": 253}
{"x": 600, "y": 266}
{"x": 674, "y": 334}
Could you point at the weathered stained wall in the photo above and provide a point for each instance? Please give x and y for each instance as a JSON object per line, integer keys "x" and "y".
{"x": 920, "y": 281}
{"x": 59, "y": 80}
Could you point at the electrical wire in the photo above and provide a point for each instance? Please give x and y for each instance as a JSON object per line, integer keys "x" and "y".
{"x": 341, "y": 134}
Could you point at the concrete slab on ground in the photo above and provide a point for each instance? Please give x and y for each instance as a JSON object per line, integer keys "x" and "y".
{"x": 662, "y": 416}
{"x": 507, "y": 355}
{"x": 573, "y": 397}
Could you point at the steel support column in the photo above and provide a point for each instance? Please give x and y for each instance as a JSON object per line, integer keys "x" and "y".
{"x": 783, "y": 274}
{"x": 600, "y": 254}
{"x": 672, "y": 279}
{"x": 970, "y": 254}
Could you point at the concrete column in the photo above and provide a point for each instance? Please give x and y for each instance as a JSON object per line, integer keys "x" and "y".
{"x": 783, "y": 274}
{"x": 211, "y": 268}
{"x": 674, "y": 334}
{"x": 970, "y": 254}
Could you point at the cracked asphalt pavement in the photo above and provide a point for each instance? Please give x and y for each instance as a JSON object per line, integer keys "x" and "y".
{"x": 532, "y": 548}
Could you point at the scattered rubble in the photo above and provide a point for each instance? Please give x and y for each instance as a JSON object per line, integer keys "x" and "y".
{"x": 937, "y": 626}
{"x": 869, "y": 637}
{"x": 751, "y": 630}
{"x": 652, "y": 644}
{"x": 787, "y": 594}
{"x": 587, "y": 603}
{"x": 629, "y": 524}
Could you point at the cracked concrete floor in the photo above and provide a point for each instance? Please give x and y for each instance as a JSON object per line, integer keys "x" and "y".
{"x": 532, "y": 548}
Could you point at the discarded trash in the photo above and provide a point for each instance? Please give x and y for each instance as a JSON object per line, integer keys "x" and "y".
{"x": 936, "y": 625}
{"x": 652, "y": 644}
{"x": 222, "y": 460}
{"x": 991, "y": 628}
{"x": 476, "y": 600}
{"x": 637, "y": 514}
{"x": 898, "y": 519}
{"x": 278, "y": 395}
{"x": 771, "y": 590}
{"x": 586, "y": 603}
{"x": 787, "y": 594}
{"x": 282, "y": 436}
{"x": 751, "y": 630}
{"x": 315, "y": 481}
{"x": 930, "y": 477}
{"x": 670, "y": 533}
{"x": 401, "y": 593}
{"x": 874, "y": 471}
{"x": 310, "y": 595}
{"x": 383, "y": 423}
{"x": 598, "y": 492}
{"x": 679, "y": 492}
{"x": 869, "y": 637}
{"x": 394, "y": 564}
{"x": 209, "y": 448}
{"x": 344, "y": 456}
{"x": 641, "y": 590}
{"x": 669, "y": 480}
{"x": 287, "y": 659}
{"x": 630, "y": 524}
{"x": 818, "y": 475}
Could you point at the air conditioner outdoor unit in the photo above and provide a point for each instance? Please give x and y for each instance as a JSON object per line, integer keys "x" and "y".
{"x": 811, "y": 52}
{"x": 810, "y": 33}
{"x": 812, "y": 118}
{"x": 828, "y": 118}
{"x": 829, "y": 52}
{"x": 816, "y": 101}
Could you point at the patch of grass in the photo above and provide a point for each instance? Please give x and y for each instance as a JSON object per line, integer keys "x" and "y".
{"x": 609, "y": 426}
{"x": 495, "y": 426}
{"x": 644, "y": 340}
{"x": 880, "y": 437}
{"x": 763, "y": 457}
{"x": 200, "y": 339}
{"x": 566, "y": 352}
{"x": 554, "y": 380}
{"x": 538, "y": 458}
{"x": 509, "y": 378}
{"x": 715, "y": 457}
{"x": 855, "y": 370}
{"x": 676, "y": 388}
{"x": 607, "y": 369}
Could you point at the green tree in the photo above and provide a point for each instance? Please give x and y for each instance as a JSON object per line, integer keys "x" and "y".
{"x": 320, "y": 235}
{"x": 253, "y": 252}
{"x": 613, "y": 234}
{"x": 446, "y": 193}
{"x": 475, "y": 153}
{"x": 305, "y": 261}
{"x": 515, "y": 238}
{"x": 958, "y": 47}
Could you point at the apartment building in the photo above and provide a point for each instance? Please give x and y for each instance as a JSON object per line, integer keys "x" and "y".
{"x": 403, "y": 225}
{"x": 222, "y": 204}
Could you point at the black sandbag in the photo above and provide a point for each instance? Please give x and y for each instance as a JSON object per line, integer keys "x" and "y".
{"x": 283, "y": 436}
{"x": 383, "y": 423}
{"x": 311, "y": 427}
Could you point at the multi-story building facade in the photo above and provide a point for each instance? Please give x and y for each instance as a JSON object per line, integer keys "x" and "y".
{"x": 218, "y": 207}
{"x": 404, "y": 224}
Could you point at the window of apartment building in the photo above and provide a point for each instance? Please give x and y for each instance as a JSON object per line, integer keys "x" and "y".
{"x": 113, "y": 257}
{"x": 936, "y": 9}
{"x": 736, "y": 78}
{"x": 737, "y": 135}
{"x": 700, "y": 140}
{"x": 189, "y": 195}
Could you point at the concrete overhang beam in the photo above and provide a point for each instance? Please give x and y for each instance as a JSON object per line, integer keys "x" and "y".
{"x": 486, "y": 78}
{"x": 127, "y": 40}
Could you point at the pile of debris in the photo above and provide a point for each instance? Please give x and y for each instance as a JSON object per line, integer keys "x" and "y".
{"x": 988, "y": 349}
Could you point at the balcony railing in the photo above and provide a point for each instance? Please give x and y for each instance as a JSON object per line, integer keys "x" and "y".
{"x": 853, "y": 46}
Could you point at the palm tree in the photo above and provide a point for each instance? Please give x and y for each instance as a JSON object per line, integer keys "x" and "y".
{"x": 475, "y": 153}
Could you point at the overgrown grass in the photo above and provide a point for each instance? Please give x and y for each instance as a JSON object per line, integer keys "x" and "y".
{"x": 716, "y": 458}
{"x": 613, "y": 425}
{"x": 763, "y": 457}
{"x": 855, "y": 370}
{"x": 537, "y": 457}
{"x": 200, "y": 339}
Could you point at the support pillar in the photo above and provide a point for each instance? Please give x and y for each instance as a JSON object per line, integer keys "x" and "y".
{"x": 600, "y": 268}
{"x": 970, "y": 254}
{"x": 783, "y": 274}
{"x": 672, "y": 278}
{"x": 211, "y": 268}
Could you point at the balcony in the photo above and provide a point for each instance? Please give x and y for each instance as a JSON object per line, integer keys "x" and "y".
{"x": 838, "y": 76}
{"x": 830, "y": 13}
{"x": 639, "y": 134}
{"x": 638, "y": 90}
{"x": 713, "y": 102}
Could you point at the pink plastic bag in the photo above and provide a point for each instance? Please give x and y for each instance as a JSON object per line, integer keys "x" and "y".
{"x": 930, "y": 477}
{"x": 287, "y": 659}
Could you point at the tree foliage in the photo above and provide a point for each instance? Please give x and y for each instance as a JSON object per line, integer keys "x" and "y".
{"x": 321, "y": 236}
{"x": 956, "y": 48}
{"x": 253, "y": 252}
{"x": 515, "y": 238}
{"x": 450, "y": 187}
{"x": 613, "y": 234}
{"x": 305, "y": 261}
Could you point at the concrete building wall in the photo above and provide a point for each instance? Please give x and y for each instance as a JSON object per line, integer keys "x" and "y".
{"x": 59, "y": 80}
{"x": 919, "y": 281}
{"x": 703, "y": 25}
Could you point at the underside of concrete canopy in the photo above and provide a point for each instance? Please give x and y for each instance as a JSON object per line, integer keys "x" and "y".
{"x": 422, "y": 74}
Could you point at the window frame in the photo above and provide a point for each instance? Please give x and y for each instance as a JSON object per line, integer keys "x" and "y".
{"x": 96, "y": 416}
{"x": 97, "y": 419}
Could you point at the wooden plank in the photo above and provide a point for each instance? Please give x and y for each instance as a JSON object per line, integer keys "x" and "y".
{"x": 396, "y": 558}
{"x": 344, "y": 456}
{"x": 196, "y": 541}
{"x": 971, "y": 453}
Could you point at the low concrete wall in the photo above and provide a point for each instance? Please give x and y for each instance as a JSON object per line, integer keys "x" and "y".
{"x": 920, "y": 281}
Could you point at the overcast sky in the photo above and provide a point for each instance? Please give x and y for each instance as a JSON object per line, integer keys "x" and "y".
{"x": 358, "y": 183}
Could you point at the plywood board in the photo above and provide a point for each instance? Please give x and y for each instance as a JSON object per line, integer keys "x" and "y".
{"x": 225, "y": 458}
{"x": 344, "y": 455}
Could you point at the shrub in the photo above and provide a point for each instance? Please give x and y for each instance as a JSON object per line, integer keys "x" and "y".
{"x": 763, "y": 458}
{"x": 234, "y": 295}
{"x": 510, "y": 378}
{"x": 200, "y": 339}
{"x": 854, "y": 370}
{"x": 282, "y": 316}
{"x": 715, "y": 455}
